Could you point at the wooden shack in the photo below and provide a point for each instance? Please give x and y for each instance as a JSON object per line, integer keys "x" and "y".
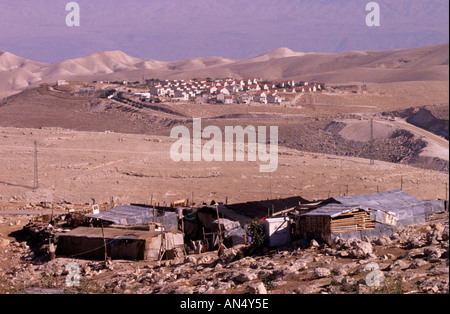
{"x": 336, "y": 220}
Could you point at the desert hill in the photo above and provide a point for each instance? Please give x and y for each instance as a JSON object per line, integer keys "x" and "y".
{"x": 416, "y": 64}
{"x": 17, "y": 73}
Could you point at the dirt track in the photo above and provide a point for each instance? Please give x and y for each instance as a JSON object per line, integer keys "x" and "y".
{"x": 428, "y": 135}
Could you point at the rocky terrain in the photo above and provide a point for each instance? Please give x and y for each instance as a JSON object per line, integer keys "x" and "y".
{"x": 96, "y": 148}
{"x": 414, "y": 260}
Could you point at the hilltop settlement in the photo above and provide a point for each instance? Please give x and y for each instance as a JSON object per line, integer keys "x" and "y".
{"x": 222, "y": 91}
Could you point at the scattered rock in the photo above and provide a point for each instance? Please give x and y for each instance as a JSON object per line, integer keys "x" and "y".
{"x": 445, "y": 235}
{"x": 189, "y": 259}
{"x": 313, "y": 244}
{"x": 245, "y": 276}
{"x": 414, "y": 242}
{"x": 417, "y": 263}
{"x": 228, "y": 256}
{"x": 433, "y": 254}
{"x": 4, "y": 243}
{"x": 361, "y": 249}
{"x": 322, "y": 272}
{"x": 382, "y": 241}
{"x": 398, "y": 264}
{"x": 257, "y": 288}
{"x": 299, "y": 264}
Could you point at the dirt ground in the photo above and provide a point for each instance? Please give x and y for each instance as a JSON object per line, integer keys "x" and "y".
{"x": 89, "y": 149}
{"x": 76, "y": 166}
{"x": 414, "y": 260}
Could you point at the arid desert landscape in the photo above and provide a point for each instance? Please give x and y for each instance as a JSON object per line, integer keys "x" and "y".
{"x": 380, "y": 123}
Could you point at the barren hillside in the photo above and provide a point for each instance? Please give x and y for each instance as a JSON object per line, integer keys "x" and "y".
{"x": 417, "y": 64}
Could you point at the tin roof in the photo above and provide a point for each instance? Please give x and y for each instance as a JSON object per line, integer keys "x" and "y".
{"x": 109, "y": 233}
{"x": 406, "y": 208}
{"x": 132, "y": 214}
{"x": 334, "y": 210}
{"x": 385, "y": 200}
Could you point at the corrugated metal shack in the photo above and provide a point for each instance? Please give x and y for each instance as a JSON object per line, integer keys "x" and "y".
{"x": 364, "y": 215}
{"x": 130, "y": 231}
{"x": 336, "y": 220}
{"x": 128, "y": 215}
{"x": 247, "y": 212}
{"x": 408, "y": 209}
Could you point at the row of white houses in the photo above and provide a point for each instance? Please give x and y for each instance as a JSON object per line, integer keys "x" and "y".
{"x": 224, "y": 90}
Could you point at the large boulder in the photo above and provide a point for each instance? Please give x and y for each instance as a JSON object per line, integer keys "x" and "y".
{"x": 321, "y": 272}
{"x": 244, "y": 276}
{"x": 257, "y": 288}
{"x": 361, "y": 249}
{"x": 433, "y": 254}
{"x": 414, "y": 242}
{"x": 4, "y": 243}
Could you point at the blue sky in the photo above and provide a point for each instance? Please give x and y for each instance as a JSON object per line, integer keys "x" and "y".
{"x": 179, "y": 29}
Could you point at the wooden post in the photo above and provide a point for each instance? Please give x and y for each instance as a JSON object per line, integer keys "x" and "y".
{"x": 446, "y": 197}
{"x": 104, "y": 243}
{"x": 220, "y": 249}
{"x": 218, "y": 221}
{"x": 51, "y": 250}
{"x": 162, "y": 249}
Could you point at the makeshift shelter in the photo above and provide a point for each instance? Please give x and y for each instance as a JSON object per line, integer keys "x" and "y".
{"x": 336, "y": 220}
{"x": 198, "y": 223}
{"x": 139, "y": 215}
{"x": 368, "y": 215}
{"x": 245, "y": 213}
{"x": 89, "y": 243}
{"x": 407, "y": 209}
{"x": 231, "y": 231}
{"x": 278, "y": 231}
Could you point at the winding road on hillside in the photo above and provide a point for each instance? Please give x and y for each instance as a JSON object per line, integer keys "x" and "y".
{"x": 419, "y": 131}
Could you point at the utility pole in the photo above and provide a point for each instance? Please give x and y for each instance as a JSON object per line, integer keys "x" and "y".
{"x": 446, "y": 197}
{"x": 221, "y": 248}
{"x": 372, "y": 162}
{"x": 36, "y": 178}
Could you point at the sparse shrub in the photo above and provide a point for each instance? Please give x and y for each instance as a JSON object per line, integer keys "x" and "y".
{"x": 268, "y": 281}
{"x": 390, "y": 286}
{"x": 259, "y": 237}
